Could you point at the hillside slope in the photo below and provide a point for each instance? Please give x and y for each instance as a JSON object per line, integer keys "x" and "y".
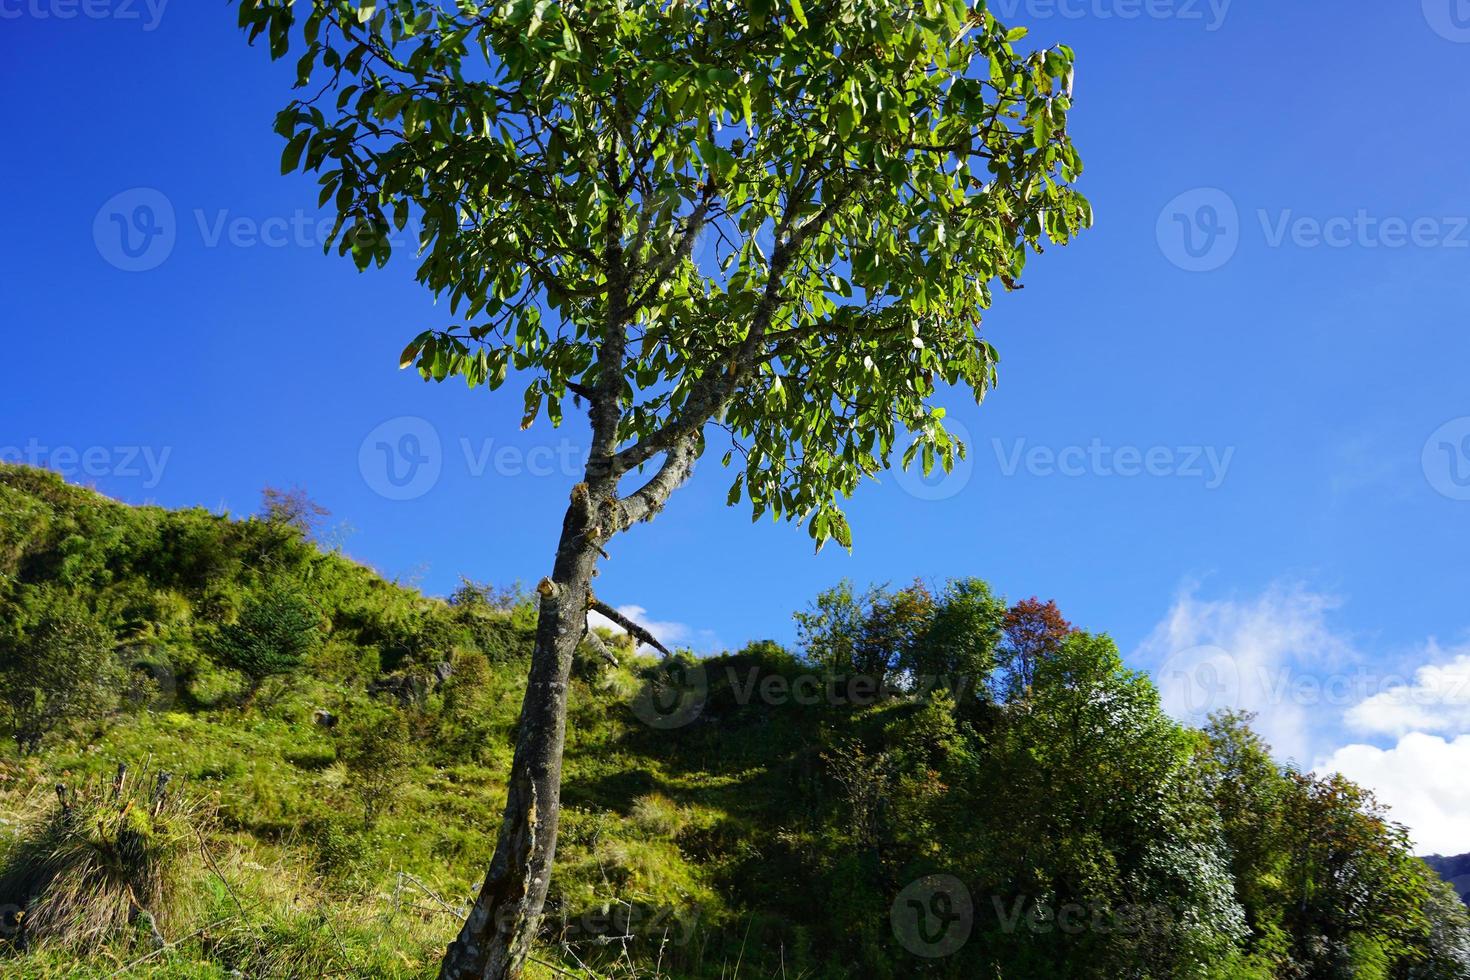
{"x": 942, "y": 784}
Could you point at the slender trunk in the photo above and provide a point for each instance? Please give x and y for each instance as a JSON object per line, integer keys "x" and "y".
{"x": 497, "y": 936}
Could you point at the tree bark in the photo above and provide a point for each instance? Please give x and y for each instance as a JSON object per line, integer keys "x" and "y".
{"x": 497, "y": 936}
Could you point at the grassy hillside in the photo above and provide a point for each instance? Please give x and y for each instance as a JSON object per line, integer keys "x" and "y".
{"x": 336, "y": 744}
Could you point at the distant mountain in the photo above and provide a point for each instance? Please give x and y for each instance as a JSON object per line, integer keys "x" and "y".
{"x": 1455, "y": 870}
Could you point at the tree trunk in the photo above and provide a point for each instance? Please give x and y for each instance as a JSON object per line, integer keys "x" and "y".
{"x": 497, "y": 935}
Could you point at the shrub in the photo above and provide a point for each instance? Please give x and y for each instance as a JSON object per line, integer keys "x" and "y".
{"x": 275, "y": 632}
{"x": 375, "y": 749}
{"x": 107, "y": 859}
{"x": 58, "y": 671}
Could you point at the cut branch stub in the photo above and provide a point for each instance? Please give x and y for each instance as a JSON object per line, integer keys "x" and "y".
{"x": 637, "y": 632}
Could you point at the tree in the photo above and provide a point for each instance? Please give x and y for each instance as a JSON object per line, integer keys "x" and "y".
{"x": 960, "y": 643}
{"x": 376, "y": 750}
{"x": 57, "y": 668}
{"x": 1034, "y": 631}
{"x": 275, "y": 632}
{"x": 1249, "y": 792}
{"x": 291, "y": 508}
{"x": 1091, "y": 804}
{"x": 753, "y": 219}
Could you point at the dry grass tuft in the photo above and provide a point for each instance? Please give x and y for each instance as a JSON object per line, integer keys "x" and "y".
{"x": 102, "y": 863}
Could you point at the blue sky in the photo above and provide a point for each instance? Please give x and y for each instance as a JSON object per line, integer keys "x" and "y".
{"x": 1232, "y": 417}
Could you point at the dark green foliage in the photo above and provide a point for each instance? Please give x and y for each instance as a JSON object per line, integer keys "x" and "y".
{"x": 375, "y": 748}
{"x": 910, "y": 637}
{"x": 776, "y": 828}
{"x": 273, "y": 636}
{"x": 57, "y": 665}
{"x": 1328, "y": 882}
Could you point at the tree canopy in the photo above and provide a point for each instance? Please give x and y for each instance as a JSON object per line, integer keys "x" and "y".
{"x": 782, "y": 218}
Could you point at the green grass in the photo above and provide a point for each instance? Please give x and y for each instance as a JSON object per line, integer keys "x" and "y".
{"x": 293, "y": 883}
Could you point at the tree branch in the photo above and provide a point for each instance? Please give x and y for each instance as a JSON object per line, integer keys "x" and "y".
{"x": 595, "y": 642}
{"x": 634, "y": 630}
{"x": 649, "y": 499}
{"x": 709, "y": 393}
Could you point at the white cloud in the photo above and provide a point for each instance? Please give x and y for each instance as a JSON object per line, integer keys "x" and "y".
{"x": 1423, "y": 780}
{"x": 1436, "y": 700}
{"x": 1278, "y": 654}
{"x": 671, "y": 634}
{"x": 1261, "y": 654}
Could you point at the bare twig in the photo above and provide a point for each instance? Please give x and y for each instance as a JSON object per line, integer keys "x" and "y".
{"x": 637, "y": 632}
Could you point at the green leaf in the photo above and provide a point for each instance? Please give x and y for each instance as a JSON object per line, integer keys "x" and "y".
{"x": 533, "y": 407}
{"x": 410, "y": 353}
{"x": 291, "y": 158}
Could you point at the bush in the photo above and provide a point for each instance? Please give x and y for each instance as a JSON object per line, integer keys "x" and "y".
{"x": 57, "y": 671}
{"x": 105, "y": 861}
{"x": 274, "y": 634}
{"x": 375, "y": 749}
